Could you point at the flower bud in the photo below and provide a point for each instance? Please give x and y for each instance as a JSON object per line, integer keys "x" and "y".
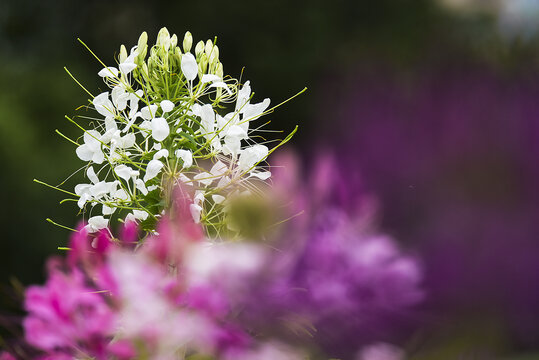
{"x": 208, "y": 48}
{"x": 203, "y": 64}
{"x": 142, "y": 51}
{"x": 199, "y": 49}
{"x": 177, "y": 57}
{"x": 145, "y": 69}
{"x": 187, "y": 42}
{"x": 163, "y": 39}
{"x": 142, "y": 40}
{"x": 123, "y": 53}
{"x": 214, "y": 55}
{"x": 219, "y": 70}
{"x": 173, "y": 41}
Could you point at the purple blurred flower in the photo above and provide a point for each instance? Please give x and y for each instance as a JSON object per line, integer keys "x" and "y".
{"x": 453, "y": 156}
{"x": 333, "y": 275}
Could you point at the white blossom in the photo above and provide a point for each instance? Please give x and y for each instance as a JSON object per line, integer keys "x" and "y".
{"x": 160, "y": 129}
{"x": 251, "y": 156}
{"x": 189, "y": 66}
{"x": 186, "y": 156}
{"x": 96, "y": 223}
{"x": 154, "y": 167}
{"x": 91, "y": 149}
{"x": 167, "y": 106}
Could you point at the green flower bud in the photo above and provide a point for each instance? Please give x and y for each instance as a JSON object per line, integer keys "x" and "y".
{"x": 187, "y": 42}
{"x": 163, "y": 39}
{"x": 203, "y": 64}
{"x": 142, "y": 51}
{"x": 214, "y": 55}
{"x": 199, "y": 49}
{"x": 208, "y": 48}
{"x": 123, "y": 53}
{"x": 173, "y": 41}
{"x": 219, "y": 70}
{"x": 142, "y": 40}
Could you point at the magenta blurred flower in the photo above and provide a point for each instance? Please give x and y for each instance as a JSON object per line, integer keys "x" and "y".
{"x": 66, "y": 314}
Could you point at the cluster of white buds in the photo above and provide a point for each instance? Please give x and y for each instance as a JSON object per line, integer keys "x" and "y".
{"x": 170, "y": 118}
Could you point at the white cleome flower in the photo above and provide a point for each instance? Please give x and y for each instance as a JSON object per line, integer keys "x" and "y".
{"x": 189, "y": 66}
{"x": 186, "y": 156}
{"x": 154, "y": 167}
{"x": 196, "y": 127}
{"x": 251, "y": 156}
{"x": 91, "y": 149}
{"x": 160, "y": 129}
{"x": 96, "y": 223}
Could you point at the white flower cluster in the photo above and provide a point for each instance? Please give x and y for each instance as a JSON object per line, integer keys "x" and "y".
{"x": 160, "y": 124}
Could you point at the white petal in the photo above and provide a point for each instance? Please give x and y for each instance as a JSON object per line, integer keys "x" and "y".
{"x": 167, "y": 105}
{"x": 254, "y": 111}
{"x": 110, "y": 124}
{"x": 189, "y": 66}
{"x": 91, "y": 175}
{"x": 152, "y": 187}
{"x": 109, "y": 72}
{"x": 127, "y": 67}
{"x": 207, "y": 116}
{"x": 100, "y": 189}
{"x": 232, "y": 145}
{"x": 236, "y": 131}
{"x": 218, "y": 199}
{"x": 160, "y": 129}
{"x": 98, "y": 157}
{"x": 199, "y": 197}
{"x": 121, "y": 194}
{"x": 196, "y": 210}
{"x": 250, "y": 156}
{"x": 160, "y": 154}
{"x": 154, "y": 167}
{"x": 204, "y": 178}
{"x": 219, "y": 168}
{"x": 140, "y": 215}
{"x": 243, "y": 96}
{"x": 121, "y": 101}
{"x": 185, "y": 180}
{"x": 223, "y": 182}
{"x": 103, "y": 105}
{"x": 123, "y": 172}
{"x": 186, "y": 156}
{"x": 108, "y": 210}
{"x": 263, "y": 175}
{"x": 221, "y": 85}
{"x": 209, "y": 78}
{"x": 148, "y": 113}
{"x": 83, "y": 199}
{"x": 81, "y": 189}
{"x": 127, "y": 141}
{"x": 101, "y": 99}
{"x": 141, "y": 187}
{"x": 84, "y": 152}
{"x": 97, "y": 223}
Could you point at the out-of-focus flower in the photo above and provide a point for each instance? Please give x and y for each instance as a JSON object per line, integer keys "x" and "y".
{"x": 380, "y": 351}
{"x": 457, "y": 180}
{"x": 66, "y": 314}
{"x": 333, "y": 275}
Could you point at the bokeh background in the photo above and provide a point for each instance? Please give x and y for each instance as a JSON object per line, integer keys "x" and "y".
{"x": 434, "y": 103}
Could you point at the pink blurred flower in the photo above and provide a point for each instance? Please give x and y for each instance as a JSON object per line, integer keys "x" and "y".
{"x": 67, "y": 314}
